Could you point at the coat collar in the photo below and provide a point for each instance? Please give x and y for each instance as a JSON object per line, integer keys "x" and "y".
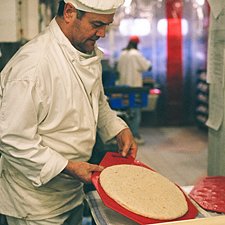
{"x": 84, "y": 59}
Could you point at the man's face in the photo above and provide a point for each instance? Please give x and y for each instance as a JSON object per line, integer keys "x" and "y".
{"x": 85, "y": 31}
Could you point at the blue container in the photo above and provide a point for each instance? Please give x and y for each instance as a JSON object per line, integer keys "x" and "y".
{"x": 124, "y": 98}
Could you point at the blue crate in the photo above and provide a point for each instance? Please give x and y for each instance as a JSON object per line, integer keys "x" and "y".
{"x": 128, "y": 100}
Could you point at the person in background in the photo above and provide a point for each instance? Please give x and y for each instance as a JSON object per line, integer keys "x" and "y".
{"x": 131, "y": 65}
{"x": 215, "y": 78}
{"x": 52, "y": 105}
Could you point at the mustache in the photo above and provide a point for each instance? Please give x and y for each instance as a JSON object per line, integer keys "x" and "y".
{"x": 94, "y": 38}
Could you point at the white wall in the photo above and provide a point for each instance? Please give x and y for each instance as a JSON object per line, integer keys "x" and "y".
{"x": 19, "y": 19}
{"x": 30, "y": 18}
{"x": 9, "y": 30}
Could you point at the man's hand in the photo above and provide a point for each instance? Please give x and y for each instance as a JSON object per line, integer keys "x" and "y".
{"x": 126, "y": 143}
{"x": 81, "y": 170}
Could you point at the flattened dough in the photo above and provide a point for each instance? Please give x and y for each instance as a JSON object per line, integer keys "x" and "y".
{"x": 143, "y": 192}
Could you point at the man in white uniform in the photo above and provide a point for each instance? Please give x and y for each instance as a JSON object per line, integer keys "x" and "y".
{"x": 131, "y": 65}
{"x": 51, "y": 106}
{"x": 216, "y": 80}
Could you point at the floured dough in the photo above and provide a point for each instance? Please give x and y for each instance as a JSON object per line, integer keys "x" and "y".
{"x": 143, "y": 192}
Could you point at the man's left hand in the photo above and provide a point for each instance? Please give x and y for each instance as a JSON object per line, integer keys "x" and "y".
{"x": 126, "y": 143}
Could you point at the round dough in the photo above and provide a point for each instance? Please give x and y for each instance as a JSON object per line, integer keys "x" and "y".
{"x": 143, "y": 192}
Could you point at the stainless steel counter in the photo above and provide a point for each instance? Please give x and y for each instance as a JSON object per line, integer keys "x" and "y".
{"x": 103, "y": 215}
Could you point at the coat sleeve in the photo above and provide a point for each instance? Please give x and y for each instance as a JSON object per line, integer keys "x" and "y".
{"x": 143, "y": 63}
{"x": 109, "y": 124}
{"x": 21, "y": 110}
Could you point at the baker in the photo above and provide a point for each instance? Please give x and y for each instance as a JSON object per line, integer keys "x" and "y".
{"x": 51, "y": 106}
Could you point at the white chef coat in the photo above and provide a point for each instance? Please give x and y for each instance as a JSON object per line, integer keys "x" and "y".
{"x": 131, "y": 65}
{"x": 215, "y": 78}
{"x": 51, "y": 103}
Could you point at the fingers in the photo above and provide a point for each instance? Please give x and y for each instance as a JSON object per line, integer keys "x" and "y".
{"x": 129, "y": 149}
{"x": 124, "y": 149}
{"x": 96, "y": 168}
{"x": 133, "y": 150}
{"x": 91, "y": 168}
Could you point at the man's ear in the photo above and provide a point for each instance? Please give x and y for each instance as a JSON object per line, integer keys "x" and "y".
{"x": 69, "y": 12}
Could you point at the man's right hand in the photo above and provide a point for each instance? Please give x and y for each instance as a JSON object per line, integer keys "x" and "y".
{"x": 81, "y": 170}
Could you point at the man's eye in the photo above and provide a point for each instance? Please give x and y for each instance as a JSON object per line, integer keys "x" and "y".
{"x": 97, "y": 25}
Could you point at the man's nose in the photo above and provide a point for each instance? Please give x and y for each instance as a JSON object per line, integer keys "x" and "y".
{"x": 101, "y": 31}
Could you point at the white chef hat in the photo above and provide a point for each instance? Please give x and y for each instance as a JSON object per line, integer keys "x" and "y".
{"x": 96, "y": 6}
